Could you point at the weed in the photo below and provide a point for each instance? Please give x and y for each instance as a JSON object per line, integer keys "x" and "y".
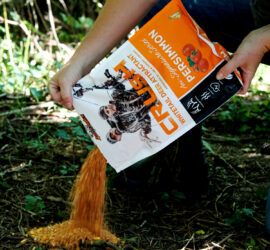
{"x": 251, "y": 245}
{"x": 35, "y": 204}
{"x": 239, "y": 217}
{"x": 65, "y": 170}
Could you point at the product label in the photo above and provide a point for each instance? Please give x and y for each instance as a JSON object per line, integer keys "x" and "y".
{"x": 153, "y": 89}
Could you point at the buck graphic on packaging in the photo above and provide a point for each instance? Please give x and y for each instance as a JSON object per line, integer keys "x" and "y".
{"x": 154, "y": 88}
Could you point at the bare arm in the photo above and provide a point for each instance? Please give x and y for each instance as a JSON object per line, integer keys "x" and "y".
{"x": 116, "y": 19}
{"x": 248, "y": 56}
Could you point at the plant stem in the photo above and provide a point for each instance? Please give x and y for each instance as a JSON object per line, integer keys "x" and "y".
{"x": 8, "y": 36}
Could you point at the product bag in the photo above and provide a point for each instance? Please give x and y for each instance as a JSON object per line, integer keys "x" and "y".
{"x": 154, "y": 88}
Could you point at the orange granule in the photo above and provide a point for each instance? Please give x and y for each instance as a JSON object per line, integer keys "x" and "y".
{"x": 87, "y": 215}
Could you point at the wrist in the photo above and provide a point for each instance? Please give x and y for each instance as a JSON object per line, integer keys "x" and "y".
{"x": 263, "y": 38}
{"x": 266, "y": 30}
{"x": 83, "y": 62}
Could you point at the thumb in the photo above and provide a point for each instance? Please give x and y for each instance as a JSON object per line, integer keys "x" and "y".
{"x": 66, "y": 95}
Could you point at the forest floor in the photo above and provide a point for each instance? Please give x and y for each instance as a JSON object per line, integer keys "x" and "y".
{"x": 43, "y": 147}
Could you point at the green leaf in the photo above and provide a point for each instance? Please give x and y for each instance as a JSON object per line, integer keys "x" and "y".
{"x": 225, "y": 115}
{"x": 237, "y": 219}
{"x": 74, "y": 119}
{"x": 244, "y": 128}
{"x": 60, "y": 213}
{"x": 90, "y": 147}
{"x": 78, "y": 131}
{"x": 37, "y": 94}
{"x": 200, "y": 232}
{"x": 32, "y": 199}
{"x": 164, "y": 196}
{"x": 64, "y": 16}
{"x": 248, "y": 211}
{"x": 208, "y": 146}
{"x": 85, "y": 22}
{"x": 5, "y": 184}
{"x": 261, "y": 192}
{"x": 62, "y": 133}
{"x": 131, "y": 239}
{"x": 191, "y": 63}
{"x": 58, "y": 65}
{"x": 67, "y": 124}
{"x": 63, "y": 171}
{"x": 38, "y": 248}
{"x": 14, "y": 16}
{"x": 34, "y": 204}
{"x": 252, "y": 245}
{"x": 178, "y": 195}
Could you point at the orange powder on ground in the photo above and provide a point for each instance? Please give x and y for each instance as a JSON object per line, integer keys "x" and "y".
{"x": 87, "y": 215}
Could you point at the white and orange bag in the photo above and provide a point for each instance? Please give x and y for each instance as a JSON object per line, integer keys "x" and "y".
{"x": 154, "y": 88}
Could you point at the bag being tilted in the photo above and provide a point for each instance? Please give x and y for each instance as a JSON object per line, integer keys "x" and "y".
{"x": 154, "y": 88}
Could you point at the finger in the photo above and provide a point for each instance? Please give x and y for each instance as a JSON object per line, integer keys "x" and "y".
{"x": 54, "y": 91}
{"x": 243, "y": 90}
{"x": 247, "y": 78}
{"x": 228, "y": 68}
{"x": 228, "y": 57}
{"x": 66, "y": 95}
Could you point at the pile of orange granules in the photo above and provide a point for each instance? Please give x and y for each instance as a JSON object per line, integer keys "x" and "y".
{"x": 87, "y": 215}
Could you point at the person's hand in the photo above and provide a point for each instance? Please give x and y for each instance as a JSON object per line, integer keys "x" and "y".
{"x": 248, "y": 56}
{"x": 116, "y": 19}
{"x": 60, "y": 86}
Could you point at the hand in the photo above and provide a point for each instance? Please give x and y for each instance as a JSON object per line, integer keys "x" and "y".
{"x": 60, "y": 86}
{"x": 116, "y": 19}
{"x": 248, "y": 56}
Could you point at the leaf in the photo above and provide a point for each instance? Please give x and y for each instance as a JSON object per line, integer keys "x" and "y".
{"x": 62, "y": 133}
{"x": 131, "y": 239}
{"x": 248, "y": 211}
{"x": 78, "y": 131}
{"x": 208, "y": 146}
{"x": 32, "y": 199}
{"x": 200, "y": 232}
{"x": 63, "y": 171}
{"x": 74, "y": 119}
{"x": 34, "y": 204}
{"x": 67, "y": 124}
{"x": 5, "y": 184}
{"x": 236, "y": 219}
{"x": 191, "y": 63}
{"x": 60, "y": 213}
{"x": 225, "y": 115}
{"x": 90, "y": 147}
{"x": 85, "y": 22}
{"x": 178, "y": 195}
{"x": 38, "y": 248}
{"x": 58, "y": 65}
{"x": 244, "y": 128}
{"x": 262, "y": 192}
{"x": 64, "y": 16}
{"x": 14, "y": 16}
{"x": 37, "y": 94}
{"x": 164, "y": 196}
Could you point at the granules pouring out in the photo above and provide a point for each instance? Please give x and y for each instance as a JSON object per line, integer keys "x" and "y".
{"x": 87, "y": 215}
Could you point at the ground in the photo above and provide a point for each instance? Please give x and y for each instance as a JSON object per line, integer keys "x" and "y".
{"x": 41, "y": 153}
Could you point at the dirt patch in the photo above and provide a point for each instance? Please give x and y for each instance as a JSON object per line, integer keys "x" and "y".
{"x": 39, "y": 165}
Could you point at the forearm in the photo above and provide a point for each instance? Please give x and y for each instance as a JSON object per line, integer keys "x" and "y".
{"x": 116, "y": 19}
